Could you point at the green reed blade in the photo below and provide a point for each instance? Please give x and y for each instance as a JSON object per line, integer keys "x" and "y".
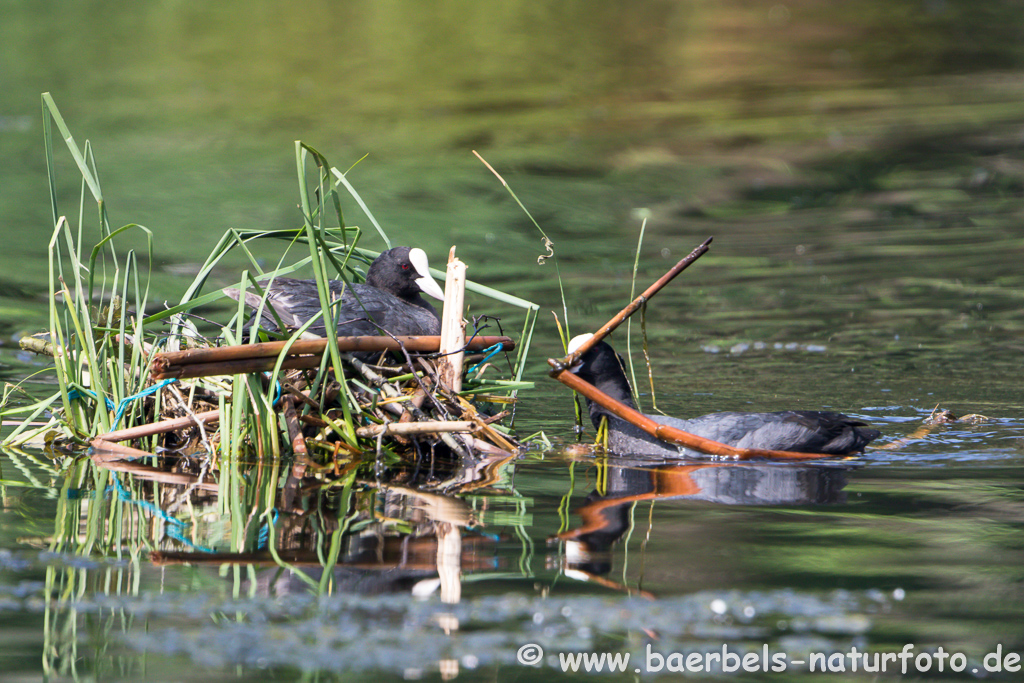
{"x": 629, "y": 321}
{"x": 362, "y": 205}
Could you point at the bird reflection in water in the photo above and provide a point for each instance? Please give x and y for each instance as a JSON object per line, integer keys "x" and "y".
{"x": 606, "y": 515}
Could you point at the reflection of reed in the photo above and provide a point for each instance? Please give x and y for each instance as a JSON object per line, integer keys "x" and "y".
{"x": 373, "y": 553}
{"x": 343, "y": 532}
{"x": 155, "y": 474}
{"x": 316, "y": 521}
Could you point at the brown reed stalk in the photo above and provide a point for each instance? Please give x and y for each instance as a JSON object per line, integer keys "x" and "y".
{"x": 162, "y": 427}
{"x": 635, "y": 305}
{"x": 665, "y": 432}
{"x": 303, "y": 354}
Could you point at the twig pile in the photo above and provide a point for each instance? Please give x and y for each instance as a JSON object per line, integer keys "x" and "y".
{"x": 413, "y": 403}
{"x": 111, "y": 382}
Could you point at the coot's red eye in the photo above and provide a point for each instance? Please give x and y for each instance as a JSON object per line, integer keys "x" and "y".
{"x": 405, "y": 266}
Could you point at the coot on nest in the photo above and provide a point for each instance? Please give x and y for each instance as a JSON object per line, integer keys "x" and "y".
{"x": 790, "y": 430}
{"x": 389, "y": 300}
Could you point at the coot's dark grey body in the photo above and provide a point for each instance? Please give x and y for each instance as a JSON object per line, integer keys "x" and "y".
{"x": 390, "y": 299}
{"x": 789, "y": 430}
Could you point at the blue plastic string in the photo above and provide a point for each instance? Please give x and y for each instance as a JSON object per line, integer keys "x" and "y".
{"x": 123, "y": 405}
{"x": 174, "y": 527}
{"x": 79, "y": 393}
{"x": 491, "y": 352}
{"x": 264, "y": 537}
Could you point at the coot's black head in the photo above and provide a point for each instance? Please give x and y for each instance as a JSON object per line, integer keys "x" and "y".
{"x": 404, "y": 272}
{"x": 602, "y": 367}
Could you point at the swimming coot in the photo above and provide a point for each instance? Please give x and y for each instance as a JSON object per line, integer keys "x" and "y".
{"x": 389, "y": 300}
{"x": 803, "y": 431}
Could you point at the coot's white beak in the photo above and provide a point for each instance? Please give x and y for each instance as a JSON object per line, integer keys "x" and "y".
{"x": 426, "y": 283}
{"x": 575, "y": 343}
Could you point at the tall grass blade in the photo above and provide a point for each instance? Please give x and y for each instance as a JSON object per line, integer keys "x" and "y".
{"x": 342, "y": 179}
{"x": 629, "y": 322}
{"x": 548, "y": 244}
